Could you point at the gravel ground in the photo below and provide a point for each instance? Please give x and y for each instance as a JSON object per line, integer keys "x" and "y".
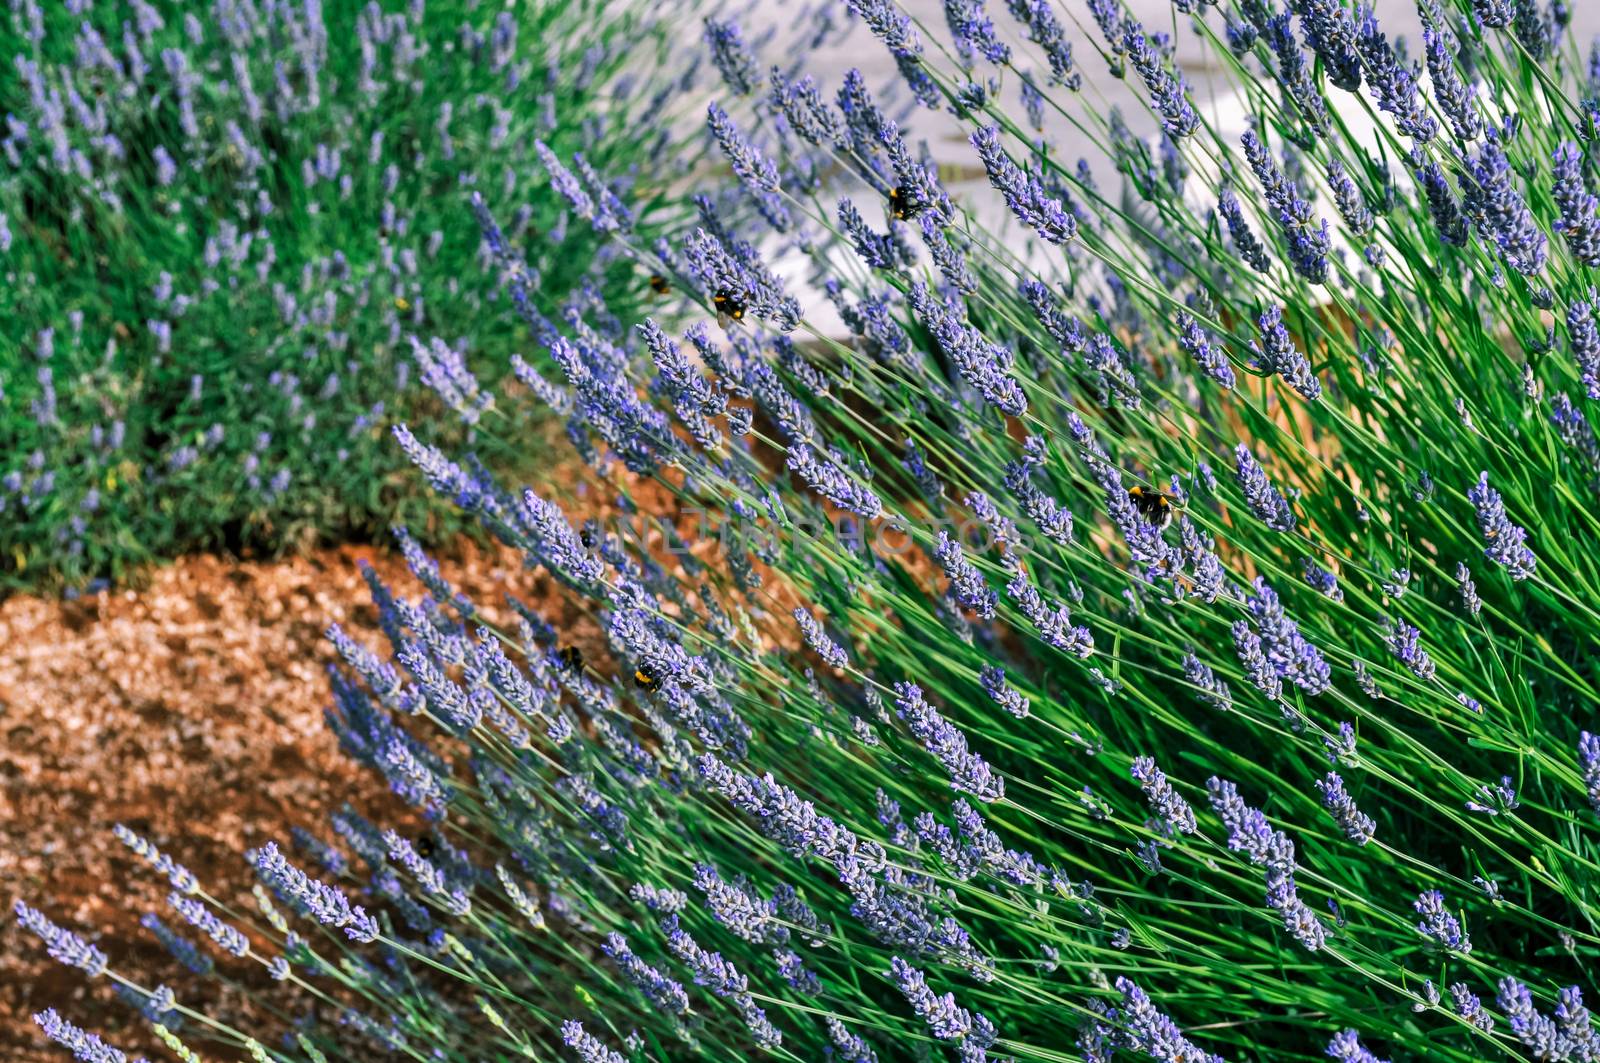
{"x": 190, "y": 710}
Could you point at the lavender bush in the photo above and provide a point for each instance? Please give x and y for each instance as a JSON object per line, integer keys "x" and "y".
{"x": 965, "y": 748}
{"x": 223, "y": 228}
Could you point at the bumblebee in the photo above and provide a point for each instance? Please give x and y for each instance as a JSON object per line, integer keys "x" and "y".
{"x": 586, "y": 536}
{"x": 645, "y": 678}
{"x": 901, "y": 206}
{"x": 571, "y": 659}
{"x": 659, "y": 285}
{"x": 426, "y": 848}
{"x": 1153, "y": 506}
{"x": 729, "y": 306}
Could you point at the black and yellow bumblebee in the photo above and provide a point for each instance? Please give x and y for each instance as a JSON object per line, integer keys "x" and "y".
{"x": 729, "y": 306}
{"x": 645, "y": 678}
{"x": 902, "y": 207}
{"x": 1155, "y": 507}
{"x": 571, "y": 659}
{"x": 426, "y": 848}
{"x": 659, "y": 284}
{"x": 586, "y": 536}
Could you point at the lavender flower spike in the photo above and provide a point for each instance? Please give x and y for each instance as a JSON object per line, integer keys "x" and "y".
{"x": 1347, "y": 1046}
{"x": 946, "y": 1019}
{"x": 324, "y": 903}
{"x": 1438, "y": 924}
{"x": 1276, "y": 353}
{"x": 63, "y": 945}
{"x": 1153, "y": 1033}
{"x": 1589, "y": 761}
{"x": 1507, "y": 541}
{"x": 590, "y": 1049}
{"x": 1024, "y": 194}
{"x": 81, "y": 1043}
{"x": 1173, "y": 811}
{"x": 829, "y": 650}
{"x": 968, "y": 771}
{"x": 1357, "y": 825}
{"x": 1265, "y": 500}
{"x": 176, "y": 873}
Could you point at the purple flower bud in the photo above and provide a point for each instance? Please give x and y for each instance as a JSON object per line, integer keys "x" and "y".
{"x": 1507, "y": 541}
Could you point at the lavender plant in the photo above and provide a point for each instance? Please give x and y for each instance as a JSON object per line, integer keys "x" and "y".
{"x": 222, "y": 229}
{"x": 869, "y": 767}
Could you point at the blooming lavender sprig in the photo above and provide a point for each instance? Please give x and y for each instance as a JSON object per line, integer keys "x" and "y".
{"x": 1351, "y": 203}
{"x": 1168, "y": 93}
{"x": 1277, "y": 353}
{"x": 432, "y": 880}
{"x": 1308, "y": 241}
{"x": 590, "y": 1049}
{"x": 1542, "y": 1036}
{"x": 176, "y": 873}
{"x": 81, "y": 1043}
{"x": 1507, "y": 541}
{"x": 230, "y": 938}
{"x": 1584, "y": 335}
{"x": 1357, "y": 825}
{"x": 1054, "y": 625}
{"x": 1209, "y": 356}
{"x": 1457, "y": 98}
{"x": 947, "y": 1020}
{"x": 966, "y": 582}
{"x": 1250, "y": 833}
{"x": 327, "y": 904}
{"x": 1346, "y": 1046}
{"x": 1044, "y": 29}
{"x": 1491, "y": 799}
{"x": 802, "y": 105}
{"x": 723, "y": 979}
{"x": 1244, "y": 238}
{"x": 731, "y": 56}
{"x": 1153, "y": 1033}
{"x": 662, "y": 991}
{"x": 968, "y": 771}
{"x": 1331, "y": 33}
{"x": 1438, "y": 924}
{"x": 1291, "y": 655}
{"x": 1589, "y": 763}
{"x": 830, "y": 651}
{"x": 739, "y": 271}
{"x": 63, "y": 945}
{"x": 1466, "y": 1004}
{"x": 1497, "y": 208}
{"x": 1392, "y": 83}
{"x": 993, "y": 680}
{"x": 1580, "y": 210}
{"x": 1169, "y": 806}
{"x": 973, "y": 30}
{"x": 1023, "y": 193}
{"x": 831, "y": 482}
{"x": 1405, "y": 643}
{"x": 759, "y": 173}
{"x": 982, "y": 364}
{"x": 1265, "y": 500}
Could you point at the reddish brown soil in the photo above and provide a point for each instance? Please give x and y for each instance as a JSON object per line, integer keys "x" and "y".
{"x": 190, "y": 710}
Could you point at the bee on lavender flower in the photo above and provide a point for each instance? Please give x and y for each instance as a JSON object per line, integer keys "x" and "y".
{"x": 902, "y": 207}
{"x": 729, "y": 306}
{"x": 1155, "y": 507}
{"x": 659, "y": 284}
{"x": 571, "y": 659}
{"x": 426, "y": 848}
{"x": 646, "y": 679}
